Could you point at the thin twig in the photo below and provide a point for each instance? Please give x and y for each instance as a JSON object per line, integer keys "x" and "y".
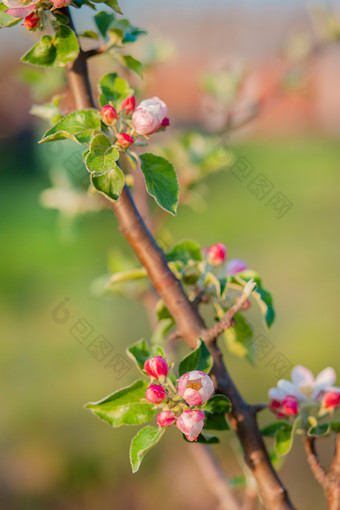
{"x": 216, "y": 478}
{"x": 210, "y": 335}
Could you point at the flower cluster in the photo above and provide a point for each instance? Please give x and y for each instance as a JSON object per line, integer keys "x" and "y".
{"x": 194, "y": 388}
{"x": 288, "y": 397}
{"x": 130, "y": 122}
{"x": 29, "y": 11}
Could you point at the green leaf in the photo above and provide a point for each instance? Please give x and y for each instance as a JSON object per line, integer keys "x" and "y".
{"x": 217, "y": 404}
{"x": 42, "y": 54}
{"x": 335, "y": 426}
{"x": 114, "y": 5}
{"x": 103, "y": 21}
{"x": 285, "y": 437}
{"x": 284, "y": 440}
{"x": 215, "y": 410}
{"x": 89, "y": 34}
{"x": 139, "y": 353}
{"x": 262, "y": 296}
{"x": 185, "y": 252}
{"x": 204, "y": 439}
{"x": 60, "y": 18}
{"x": 48, "y": 111}
{"x": 238, "y": 482}
{"x": 157, "y": 350}
{"x": 127, "y": 406}
{"x": 143, "y": 441}
{"x": 162, "y": 329}
{"x": 127, "y": 276}
{"x": 319, "y": 430}
{"x": 161, "y": 181}
{"x": 5, "y": 19}
{"x": 66, "y": 44}
{"x": 239, "y": 338}
{"x": 54, "y": 51}
{"x": 132, "y": 64}
{"x": 122, "y": 32}
{"x": 102, "y": 156}
{"x": 199, "y": 359}
{"x": 110, "y": 184}
{"x": 272, "y": 429}
{"x": 265, "y": 301}
{"x": 113, "y": 90}
{"x": 78, "y": 126}
{"x": 161, "y": 311}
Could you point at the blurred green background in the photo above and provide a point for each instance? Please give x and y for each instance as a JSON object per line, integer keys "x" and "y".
{"x": 55, "y": 454}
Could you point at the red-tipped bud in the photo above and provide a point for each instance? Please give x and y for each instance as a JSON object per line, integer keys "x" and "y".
{"x": 156, "y": 367}
{"x": 31, "y": 21}
{"x": 330, "y": 400}
{"x": 155, "y": 393}
{"x": 166, "y": 418}
{"x": 290, "y": 406}
{"x": 275, "y": 407}
{"x": 165, "y": 122}
{"x": 216, "y": 254}
{"x": 109, "y": 114}
{"x": 124, "y": 140}
{"x": 129, "y": 104}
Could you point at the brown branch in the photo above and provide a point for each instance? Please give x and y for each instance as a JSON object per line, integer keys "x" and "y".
{"x": 250, "y": 498}
{"x": 189, "y": 322}
{"x": 94, "y": 52}
{"x": 333, "y": 493}
{"x": 216, "y": 478}
{"x": 318, "y": 471}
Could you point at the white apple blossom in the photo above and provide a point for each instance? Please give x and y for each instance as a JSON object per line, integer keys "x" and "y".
{"x": 304, "y": 386}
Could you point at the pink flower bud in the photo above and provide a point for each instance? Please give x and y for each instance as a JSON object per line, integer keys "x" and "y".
{"x": 191, "y": 423}
{"x": 58, "y": 4}
{"x": 155, "y": 393}
{"x": 330, "y": 400}
{"x": 124, "y": 140}
{"x": 289, "y": 405}
{"x": 235, "y": 266}
{"x": 109, "y": 114}
{"x": 195, "y": 387}
{"x": 149, "y": 116}
{"x": 216, "y": 254}
{"x": 166, "y": 418}
{"x": 31, "y": 21}
{"x": 156, "y": 367}
{"x": 129, "y": 104}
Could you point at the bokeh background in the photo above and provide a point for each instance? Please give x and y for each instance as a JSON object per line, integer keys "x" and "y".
{"x": 55, "y": 454}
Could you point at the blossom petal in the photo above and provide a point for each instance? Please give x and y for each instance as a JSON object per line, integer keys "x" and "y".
{"x": 276, "y": 394}
{"x": 290, "y": 389}
{"x": 302, "y": 376}
{"x": 326, "y": 377}
{"x": 21, "y": 12}
{"x": 193, "y": 397}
